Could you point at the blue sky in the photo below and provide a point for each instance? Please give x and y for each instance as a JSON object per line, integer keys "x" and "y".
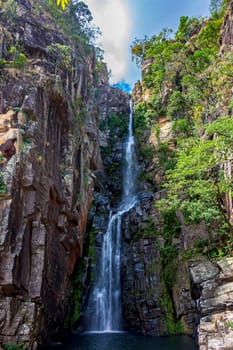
{"x": 122, "y": 20}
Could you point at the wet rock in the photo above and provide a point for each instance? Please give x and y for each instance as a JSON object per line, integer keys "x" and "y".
{"x": 142, "y": 289}
{"x": 183, "y": 298}
{"x": 203, "y": 271}
{"x": 142, "y": 286}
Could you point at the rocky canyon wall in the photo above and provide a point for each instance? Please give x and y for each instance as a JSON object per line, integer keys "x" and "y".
{"x": 170, "y": 283}
{"x": 51, "y": 104}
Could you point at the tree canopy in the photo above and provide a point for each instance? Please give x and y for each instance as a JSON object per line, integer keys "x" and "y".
{"x": 190, "y": 84}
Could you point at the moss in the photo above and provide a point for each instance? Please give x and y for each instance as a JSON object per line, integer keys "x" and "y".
{"x": 116, "y": 124}
{"x": 77, "y": 303}
{"x": 106, "y": 151}
{"x": 153, "y": 268}
{"x": 13, "y": 346}
{"x": 91, "y": 248}
{"x": 169, "y": 252}
{"x": 229, "y": 324}
{"x": 79, "y": 111}
{"x": 169, "y": 262}
{"x": 2, "y": 184}
{"x": 171, "y": 225}
{"x": 168, "y": 255}
{"x": 112, "y": 170}
{"x": 172, "y": 326}
{"x": 147, "y": 231}
{"x": 75, "y": 310}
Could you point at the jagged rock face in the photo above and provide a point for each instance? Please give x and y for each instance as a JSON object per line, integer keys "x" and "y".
{"x": 48, "y": 185}
{"x": 202, "y": 290}
{"x": 215, "y": 302}
{"x": 142, "y": 287}
{"x": 227, "y": 30}
{"x": 201, "y": 293}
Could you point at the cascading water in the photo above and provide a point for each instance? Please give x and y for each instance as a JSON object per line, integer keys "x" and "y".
{"x": 106, "y": 295}
{"x": 104, "y": 306}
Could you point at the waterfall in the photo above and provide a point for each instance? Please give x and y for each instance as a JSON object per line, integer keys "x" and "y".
{"x": 105, "y": 298}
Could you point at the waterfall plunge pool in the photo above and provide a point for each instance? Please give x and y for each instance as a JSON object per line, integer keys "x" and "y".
{"x": 124, "y": 341}
{"x": 104, "y": 306}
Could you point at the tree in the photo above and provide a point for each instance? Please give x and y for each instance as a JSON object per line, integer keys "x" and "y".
{"x": 208, "y": 37}
{"x": 197, "y": 185}
{"x": 218, "y": 7}
{"x": 187, "y": 27}
{"x": 215, "y": 6}
{"x": 138, "y": 50}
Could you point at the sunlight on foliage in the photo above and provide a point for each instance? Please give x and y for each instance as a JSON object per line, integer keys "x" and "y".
{"x": 62, "y": 3}
{"x": 197, "y": 184}
{"x": 191, "y": 85}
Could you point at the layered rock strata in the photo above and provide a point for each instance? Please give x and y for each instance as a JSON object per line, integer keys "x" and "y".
{"x": 201, "y": 291}
{"x": 47, "y": 186}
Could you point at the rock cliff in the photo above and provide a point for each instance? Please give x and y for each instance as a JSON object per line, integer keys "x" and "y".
{"x": 177, "y": 278}
{"x": 53, "y": 96}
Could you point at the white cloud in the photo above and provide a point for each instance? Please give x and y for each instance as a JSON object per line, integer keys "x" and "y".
{"x": 113, "y": 19}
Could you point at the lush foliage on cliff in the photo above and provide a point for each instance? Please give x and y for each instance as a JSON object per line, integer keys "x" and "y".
{"x": 188, "y": 84}
{"x": 184, "y": 129}
{"x": 74, "y": 18}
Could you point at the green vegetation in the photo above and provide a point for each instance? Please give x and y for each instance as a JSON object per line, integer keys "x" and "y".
{"x": 171, "y": 325}
{"x": 189, "y": 83}
{"x": 169, "y": 252}
{"x": 91, "y": 237}
{"x": 77, "y": 303}
{"x": 80, "y": 111}
{"x": 169, "y": 261}
{"x": 26, "y": 144}
{"x": 77, "y": 295}
{"x": 219, "y": 246}
{"x": 149, "y": 230}
{"x": 61, "y": 54}
{"x": 142, "y": 117}
{"x": 2, "y": 183}
{"x": 229, "y": 324}
{"x": 10, "y": 7}
{"x": 116, "y": 124}
{"x": 16, "y": 58}
{"x": 196, "y": 185}
{"x": 74, "y": 19}
{"x": 13, "y": 346}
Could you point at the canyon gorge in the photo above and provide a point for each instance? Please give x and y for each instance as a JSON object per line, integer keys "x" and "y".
{"x": 63, "y": 136}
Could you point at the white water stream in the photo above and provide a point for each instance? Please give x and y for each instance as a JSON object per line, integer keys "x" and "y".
{"x": 106, "y": 294}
